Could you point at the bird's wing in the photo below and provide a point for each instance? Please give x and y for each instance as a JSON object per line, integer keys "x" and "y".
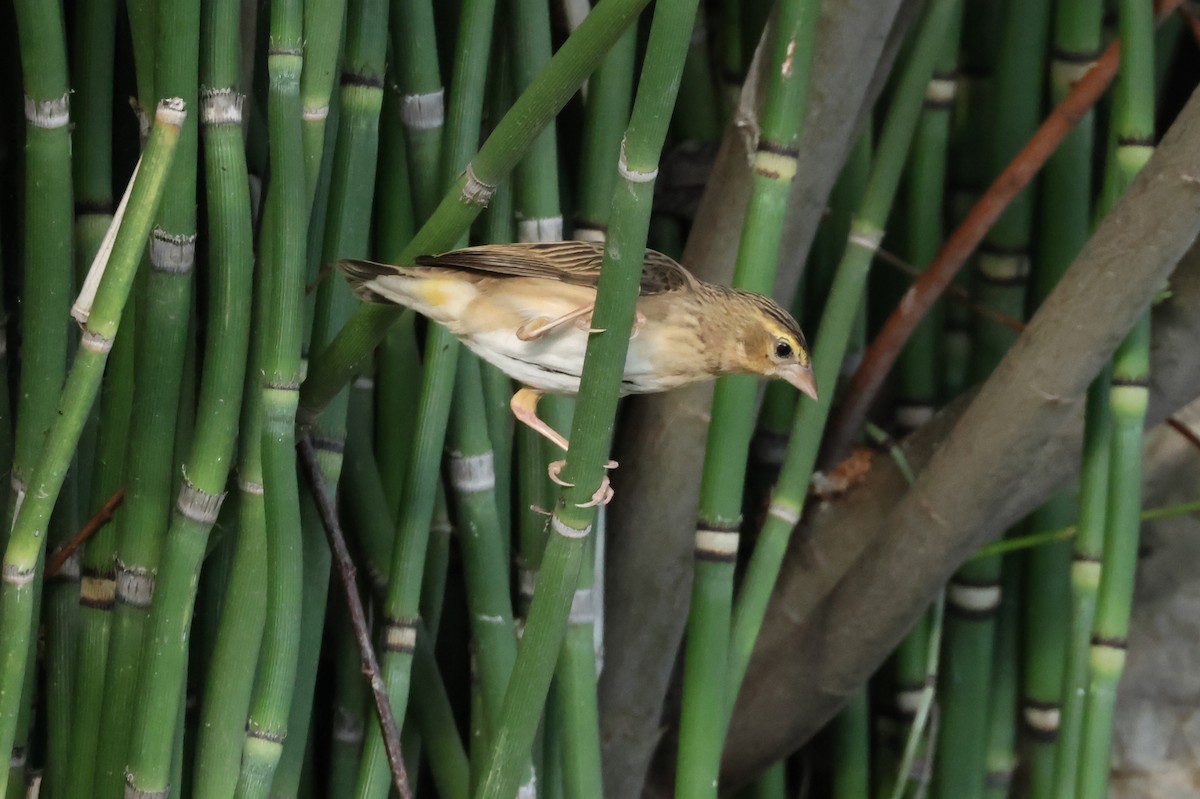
{"x": 575, "y": 262}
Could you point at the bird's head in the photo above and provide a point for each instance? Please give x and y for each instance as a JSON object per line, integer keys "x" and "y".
{"x": 772, "y": 345}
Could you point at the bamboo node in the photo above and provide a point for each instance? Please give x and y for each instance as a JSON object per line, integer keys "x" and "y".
{"x": 720, "y": 546}
{"x": 315, "y": 113}
{"x": 423, "y": 111}
{"x": 48, "y": 114}
{"x": 633, "y": 175}
{"x": 471, "y": 474}
{"x": 590, "y": 231}
{"x": 20, "y": 754}
{"x": 774, "y": 162}
{"x": 561, "y": 527}
{"x": 867, "y": 238}
{"x": 940, "y": 92}
{"x": 526, "y": 580}
{"x": 1004, "y": 268}
{"x": 69, "y": 569}
{"x": 347, "y": 727}
{"x": 249, "y": 486}
{"x": 1067, "y": 71}
{"x": 173, "y": 253}
{"x": 908, "y": 701}
{"x": 18, "y": 576}
{"x": 328, "y": 444}
{"x": 134, "y": 792}
{"x": 545, "y": 228}
{"x": 364, "y": 383}
{"x": 1042, "y": 719}
{"x": 583, "y": 607}
{"x": 98, "y": 592}
{"x": 258, "y": 732}
{"x": 171, "y": 111}
{"x": 400, "y": 635}
{"x": 135, "y": 586}
{"x": 198, "y": 505}
{"x": 912, "y": 415}
{"x": 973, "y": 600}
{"x": 475, "y": 191}
{"x": 94, "y": 342}
{"x": 221, "y": 107}
{"x": 785, "y": 513}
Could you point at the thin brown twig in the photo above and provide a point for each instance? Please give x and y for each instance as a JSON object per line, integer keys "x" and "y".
{"x": 101, "y": 518}
{"x": 956, "y": 293}
{"x": 916, "y": 302}
{"x": 1184, "y": 430}
{"x": 358, "y": 616}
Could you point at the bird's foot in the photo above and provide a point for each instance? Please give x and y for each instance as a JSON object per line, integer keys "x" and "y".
{"x": 604, "y": 493}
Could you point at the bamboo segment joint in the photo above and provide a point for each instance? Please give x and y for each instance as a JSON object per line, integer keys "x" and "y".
{"x": 908, "y": 701}
{"x": 20, "y": 754}
{"x": 69, "y": 569}
{"x": 973, "y": 601}
{"x": 910, "y": 416}
{"x": 135, "y": 586}
{"x": 720, "y": 546}
{"x": 18, "y": 576}
{"x": 256, "y": 732}
{"x": 633, "y": 175}
{"x": 249, "y": 487}
{"x": 941, "y": 91}
{"x": 221, "y": 107}
{"x": 347, "y": 726}
{"x": 171, "y": 111}
{"x": 774, "y": 161}
{"x": 1067, "y": 69}
{"x": 134, "y": 792}
{"x": 1042, "y": 719}
{"x": 198, "y": 505}
{"x": 591, "y": 231}
{"x": 98, "y": 592}
{"x": 868, "y": 238}
{"x": 471, "y": 474}
{"x": 400, "y": 635}
{"x": 423, "y": 111}
{"x": 364, "y": 383}
{"x": 546, "y": 228}
{"x": 364, "y": 80}
{"x": 173, "y": 253}
{"x": 1136, "y": 143}
{"x": 48, "y": 114}
{"x": 784, "y": 513}
{"x": 325, "y": 443}
{"x": 526, "y": 581}
{"x": 94, "y": 342}
{"x": 566, "y": 531}
{"x": 475, "y": 191}
{"x": 583, "y": 607}
{"x": 315, "y": 113}
{"x": 1004, "y": 268}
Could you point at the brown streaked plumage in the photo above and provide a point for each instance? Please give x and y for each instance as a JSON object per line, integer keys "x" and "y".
{"x": 526, "y": 308}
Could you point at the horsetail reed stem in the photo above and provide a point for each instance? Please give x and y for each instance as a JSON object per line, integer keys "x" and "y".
{"x": 26, "y": 544}
{"x": 1133, "y": 130}
{"x": 787, "y": 500}
{"x": 705, "y": 699}
{"x": 282, "y": 287}
{"x": 593, "y": 423}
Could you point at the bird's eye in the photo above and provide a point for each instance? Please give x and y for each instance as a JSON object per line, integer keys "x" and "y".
{"x": 783, "y": 349}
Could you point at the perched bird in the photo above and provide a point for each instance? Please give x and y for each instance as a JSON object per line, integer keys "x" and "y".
{"x": 526, "y": 309}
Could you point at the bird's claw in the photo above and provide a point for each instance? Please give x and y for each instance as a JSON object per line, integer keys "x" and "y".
{"x": 604, "y": 493}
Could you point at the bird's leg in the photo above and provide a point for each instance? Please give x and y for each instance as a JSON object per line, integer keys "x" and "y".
{"x": 524, "y": 408}
{"x": 536, "y": 328}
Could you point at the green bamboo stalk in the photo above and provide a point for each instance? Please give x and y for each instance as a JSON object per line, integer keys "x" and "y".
{"x": 282, "y": 264}
{"x": 421, "y": 98}
{"x": 1066, "y": 210}
{"x": 402, "y": 606}
{"x": 1086, "y": 553}
{"x": 787, "y": 501}
{"x": 26, "y": 544}
{"x": 1000, "y": 729}
{"x": 323, "y": 24}
{"x": 160, "y": 362}
{"x": 577, "y": 57}
{"x": 698, "y": 114}
{"x": 47, "y": 252}
{"x": 206, "y": 467}
{"x": 705, "y": 704}
{"x": 593, "y": 423}
{"x": 851, "y": 731}
{"x": 1133, "y": 126}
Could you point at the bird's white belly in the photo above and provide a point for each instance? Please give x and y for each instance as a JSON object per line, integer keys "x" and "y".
{"x": 553, "y": 362}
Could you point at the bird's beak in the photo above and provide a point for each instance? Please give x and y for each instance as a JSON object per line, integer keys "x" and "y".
{"x": 801, "y": 377}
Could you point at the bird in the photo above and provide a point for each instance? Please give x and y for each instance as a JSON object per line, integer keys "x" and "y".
{"x": 526, "y": 309}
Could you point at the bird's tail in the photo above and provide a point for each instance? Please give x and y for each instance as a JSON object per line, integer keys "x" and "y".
{"x": 363, "y": 277}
